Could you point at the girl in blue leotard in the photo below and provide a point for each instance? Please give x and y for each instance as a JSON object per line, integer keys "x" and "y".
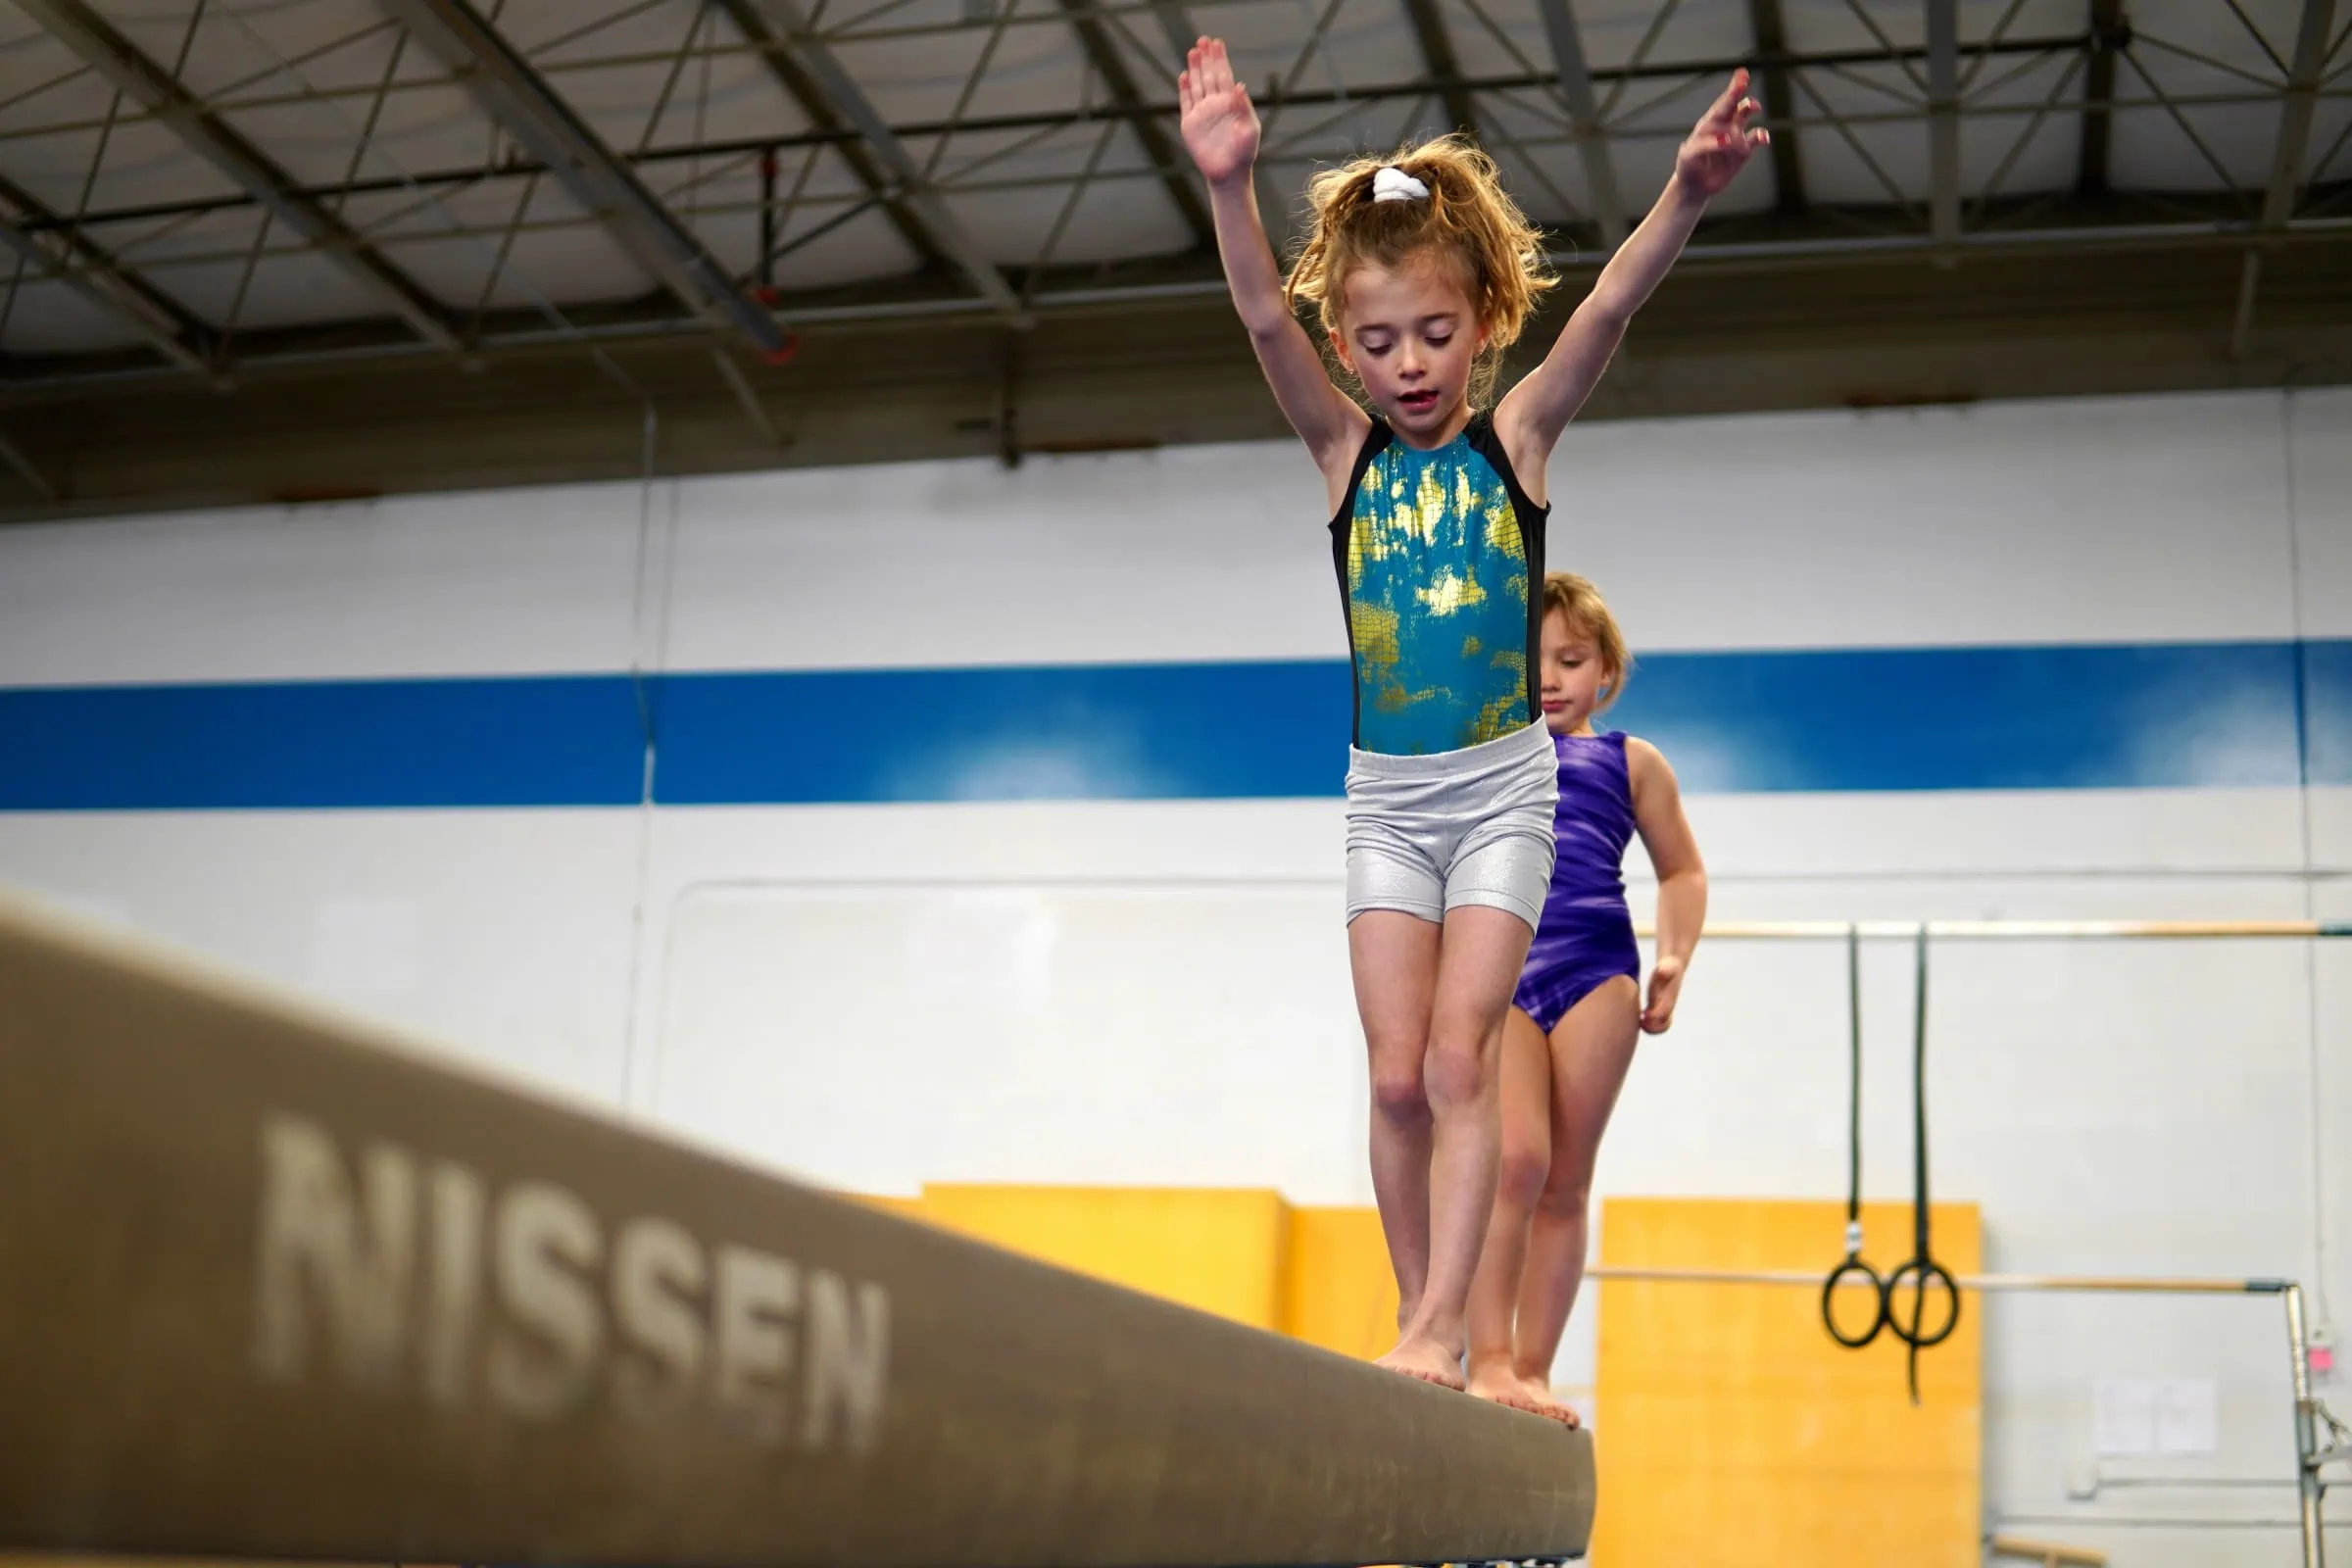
{"x": 1420, "y": 271}
{"x": 1569, "y": 1036}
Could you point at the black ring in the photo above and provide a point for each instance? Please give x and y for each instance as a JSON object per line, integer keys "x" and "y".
{"x": 1828, "y": 1291}
{"x": 1929, "y": 1272}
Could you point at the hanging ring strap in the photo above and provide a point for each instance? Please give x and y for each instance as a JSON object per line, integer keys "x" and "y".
{"x": 1853, "y": 1272}
{"x": 1922, "y": 1273}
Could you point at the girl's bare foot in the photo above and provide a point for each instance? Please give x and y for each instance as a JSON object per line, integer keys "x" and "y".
{"x": 1495, "y": 1381}
{"x": 1541, "y": 1401}
{"x": 1422, "y": 1356}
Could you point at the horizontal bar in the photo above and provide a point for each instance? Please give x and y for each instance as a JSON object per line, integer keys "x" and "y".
{"x": 2055, "y": 1284}
{"x": 283, "y": 1285}
{"x": 2017, "y": 930}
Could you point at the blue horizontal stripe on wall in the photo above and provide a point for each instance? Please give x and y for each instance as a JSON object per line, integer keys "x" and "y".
{"x": 1876, "y": 719}
{"x": 1061, "y": 732}
{"x": 2328, "y": 710}
{"x": 546, "y": 740}
{"x": 1988, "y": 719}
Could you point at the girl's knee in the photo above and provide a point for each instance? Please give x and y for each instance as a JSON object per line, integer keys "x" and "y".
{"x": 1566, "y": 1195}
{"x": 1459, "y": 1070}
{"x": 1398, "y": 1093}
{"x": 1524, "y": 1170}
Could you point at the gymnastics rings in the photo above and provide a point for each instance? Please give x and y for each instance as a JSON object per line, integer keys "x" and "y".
{"x": 1921, "y": 1269}
{"x": 1926, "y": 1277}
{"x": 1921, "y": 1273}
{"x": 1853, "y": 1271}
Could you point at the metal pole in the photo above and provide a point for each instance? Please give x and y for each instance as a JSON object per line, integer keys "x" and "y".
{"x": 2018, "y": 930}
{"x": 767, "y": 220}
{"x": 2308, "y": 1485}
{"x": 2012, "y": 1284}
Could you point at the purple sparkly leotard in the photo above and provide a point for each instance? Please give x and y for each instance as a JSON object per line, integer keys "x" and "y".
{"x": 1586, "y": 936}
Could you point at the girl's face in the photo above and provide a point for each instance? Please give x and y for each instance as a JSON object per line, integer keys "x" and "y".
{"x": 1410, "y": 336}
{"x": 1574, "y": 680}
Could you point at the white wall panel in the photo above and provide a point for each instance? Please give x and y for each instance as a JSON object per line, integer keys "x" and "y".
{"x": 1976, "y": 832}
{"x": 2160, "y": 518}
{"x": 1189, "y": 553}
{"x": 2155, "y": 519}
{"x": 505, "y": 582}
{"x": 505, "y": 935}
{"x": 2321, "y": 421}
{"x": 878, "y": 1038}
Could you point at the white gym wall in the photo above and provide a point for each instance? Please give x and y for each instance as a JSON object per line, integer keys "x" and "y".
{"x": 1155, "y": 991}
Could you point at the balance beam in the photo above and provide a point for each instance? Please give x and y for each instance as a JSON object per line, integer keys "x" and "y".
{"x": 275, "y": 1283}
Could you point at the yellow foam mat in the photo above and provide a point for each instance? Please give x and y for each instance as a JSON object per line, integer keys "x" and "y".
{"x": 1219, "y": 1251}
{"x": 1341, "y": 1294}
{"x": 1731, "y": 1428}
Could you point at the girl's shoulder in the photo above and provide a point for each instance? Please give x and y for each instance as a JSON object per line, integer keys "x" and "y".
{"x": 1377, "y": 437}
{"x": 1483, "y": 438}
{"x": 1643, "y": 760}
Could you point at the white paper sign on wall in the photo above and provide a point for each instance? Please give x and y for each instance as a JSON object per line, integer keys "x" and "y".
{"x": 2187, "y": 1416}
{"x": 2124, "y": 1419}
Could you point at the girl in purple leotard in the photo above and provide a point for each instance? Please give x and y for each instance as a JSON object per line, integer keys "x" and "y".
{"x": 1569, "y": 1036}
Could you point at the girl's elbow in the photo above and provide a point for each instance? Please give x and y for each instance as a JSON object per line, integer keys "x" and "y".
{"x": 1616, "y": 318}
{"x": 1608, "y": 311}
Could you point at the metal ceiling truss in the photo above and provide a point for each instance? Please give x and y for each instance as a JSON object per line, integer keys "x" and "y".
{"x": 522, "y": 104}
{"x": 784, "y": 36}
{"x": 1643, "y": 99}
{"x": 1584, "y": 114}
{"x": 63, "y": 251}
{"x": 1438, "y": 58}
{"x": 2110, "y": 34}
{"x": 1779, "y": 104}
{"x": 1047, "y": 122}
{"x": 1093, "y": 290}
{"x": 1943, "y": 119}
{"x": 2313, "y": 47}
{"x": 808, "y": 97}
{"x": 121, "y": 61}
{"x": 1640, "y": 69}
{"x": 1167, "y": 157}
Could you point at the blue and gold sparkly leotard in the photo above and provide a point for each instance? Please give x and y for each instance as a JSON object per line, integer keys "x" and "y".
{"x": 1437, "y": 553}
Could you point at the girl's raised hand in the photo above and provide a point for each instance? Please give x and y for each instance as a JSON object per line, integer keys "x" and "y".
{"x": 1722, "y": 142}
{"x": 1220, "y": 127}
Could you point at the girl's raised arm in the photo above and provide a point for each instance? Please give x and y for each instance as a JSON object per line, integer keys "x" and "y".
{"x": 1220, "y": 132}
{"x": 1532, "y": 417}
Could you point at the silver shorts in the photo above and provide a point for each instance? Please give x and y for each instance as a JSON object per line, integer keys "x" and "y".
{"x": 1430, "y": 834}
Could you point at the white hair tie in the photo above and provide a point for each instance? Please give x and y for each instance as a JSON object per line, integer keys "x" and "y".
{"x": 1393, "y": 185}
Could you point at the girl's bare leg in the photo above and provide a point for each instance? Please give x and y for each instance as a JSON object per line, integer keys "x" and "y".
{"x": 1524, "y": 1077}
{"x": 1395, "y": 959}
{"x": 1590, "y": 1051}
{"x": 1478, "y": 957}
